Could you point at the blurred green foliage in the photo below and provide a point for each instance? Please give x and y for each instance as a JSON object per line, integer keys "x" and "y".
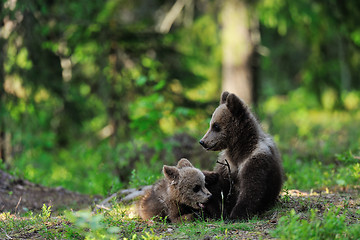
{"x": 320, "y": 147}
{"x": 91, "y": 91}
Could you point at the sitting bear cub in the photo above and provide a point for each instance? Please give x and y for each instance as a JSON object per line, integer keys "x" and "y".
{"x": 179, "y": 196}
{"x": 250, "y": 169}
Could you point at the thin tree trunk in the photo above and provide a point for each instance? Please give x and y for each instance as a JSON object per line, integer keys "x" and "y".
{"x": 2, "y": 143}
{"x": 114, "y": 98}
{"x": 238, "y": 49}
{"x": 2, "y": 103}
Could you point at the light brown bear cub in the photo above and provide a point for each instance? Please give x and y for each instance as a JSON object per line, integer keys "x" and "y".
{"x": 180, "y": 195}
{"x": 256, "y": 173}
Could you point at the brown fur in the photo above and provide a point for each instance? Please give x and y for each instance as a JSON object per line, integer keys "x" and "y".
{"x": 178, "y": 196}
{"x": 256, "y": 173}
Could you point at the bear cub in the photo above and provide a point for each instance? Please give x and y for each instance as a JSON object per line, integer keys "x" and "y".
{"x": 179, "y": 196}
{"x": 250, "y": 168}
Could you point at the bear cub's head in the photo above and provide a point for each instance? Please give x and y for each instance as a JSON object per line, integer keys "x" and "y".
{"x": 186, "y": 184}
{"x": 223, "y": 122}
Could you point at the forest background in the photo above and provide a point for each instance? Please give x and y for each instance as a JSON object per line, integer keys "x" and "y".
{"x": 97, "y": 95}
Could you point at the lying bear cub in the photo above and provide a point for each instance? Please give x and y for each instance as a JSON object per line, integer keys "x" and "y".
{"x": 180, "y": 196}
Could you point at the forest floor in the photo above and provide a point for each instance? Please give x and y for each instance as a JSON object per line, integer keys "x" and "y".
{"x": 261, "y": 227}
{"x": 19, "y": 196}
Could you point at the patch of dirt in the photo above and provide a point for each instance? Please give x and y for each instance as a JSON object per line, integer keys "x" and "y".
{"x": 347, "y": 199}
{"x": 17, "y": 195}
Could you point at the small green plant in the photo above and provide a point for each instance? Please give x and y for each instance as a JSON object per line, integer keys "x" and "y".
{"x": 91, "y": 225}
{"x": 133, "y": 237}
{"x": 150, "y": 236}
{"x": 45, "y": 212}
{"x": 163, "y": 220}
{"x": 286, "y": 196}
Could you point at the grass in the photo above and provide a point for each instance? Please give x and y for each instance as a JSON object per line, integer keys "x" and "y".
{"x": 117, "y": 223}
{"x": 319, "y": 215}
{"x": 312, "y": 174}
{"x": 298, "y": 215}
{"x": 331, "y": 224}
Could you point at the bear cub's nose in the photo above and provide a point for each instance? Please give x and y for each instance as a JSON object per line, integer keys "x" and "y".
{"x": 202, "y": 143}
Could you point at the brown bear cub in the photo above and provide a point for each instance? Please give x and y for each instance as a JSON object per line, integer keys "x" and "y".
{"x": 179, "y": 196}
{"x": 250, "y": 168}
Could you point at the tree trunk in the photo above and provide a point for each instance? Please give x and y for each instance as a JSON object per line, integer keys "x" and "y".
{"x": 238, "y": 50}
{"x": 2, "y": 103}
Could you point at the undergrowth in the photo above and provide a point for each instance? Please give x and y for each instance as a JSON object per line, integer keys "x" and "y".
{"x": 332, "y": 224}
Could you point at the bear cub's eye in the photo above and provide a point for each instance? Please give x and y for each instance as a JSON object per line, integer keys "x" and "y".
{"x": 197, "y": 188}
{"x": 216, "y": 127}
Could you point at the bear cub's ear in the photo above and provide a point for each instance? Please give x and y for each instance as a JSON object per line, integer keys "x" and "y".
{"x": 211, "y": 178}
{"x": 184, "y": 163}
{"x": 171, "y": 173}
{"x": 235, "y": 105}
{"x": 223, "y": 97}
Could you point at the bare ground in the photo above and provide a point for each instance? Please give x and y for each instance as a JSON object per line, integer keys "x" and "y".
{"x": 17, "y": 195}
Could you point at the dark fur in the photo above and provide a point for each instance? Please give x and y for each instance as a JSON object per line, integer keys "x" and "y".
{"x": 256, "y": 171}
{"x": 214, "y": 207}
{"x": 175, "y": 196}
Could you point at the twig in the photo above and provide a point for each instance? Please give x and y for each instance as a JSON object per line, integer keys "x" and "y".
{"x": 103, "y": 207}
{"x": 172, "y": 15}
{"x": 229, "y": 175}
{"x": 8, "y": 237}
{"x": 17, "y": 205}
